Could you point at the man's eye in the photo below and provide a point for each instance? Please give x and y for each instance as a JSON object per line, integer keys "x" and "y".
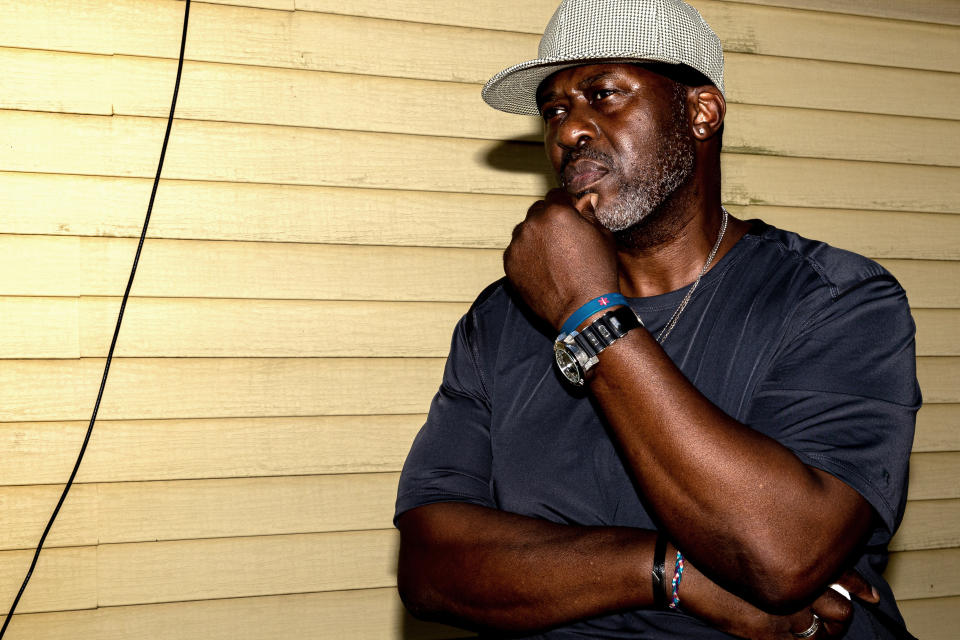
{"x": 600, "y": 94}
{"x": 551, "y": 112}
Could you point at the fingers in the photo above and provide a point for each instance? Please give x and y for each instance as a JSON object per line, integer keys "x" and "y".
{"x": 818, "y": 628}
{"x": 516, "y": 231}
{"x": 584, "y": 205}
{"x": 858, "y": 587}
{"x": 535, "y": 209}
{"x": 831, "y": 606}
{"x": 799, "y": 623}
{"x": 830, "y": 629}
{"x": 834, "y": 612}
{"x": 554, "y": 197}
{"x": 587, "y": 206}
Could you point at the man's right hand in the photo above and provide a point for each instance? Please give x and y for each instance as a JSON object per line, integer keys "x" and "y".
{"x": 559, "y": 258}
{"x": 722, "y": 610}
{"x": 835, "y": 610}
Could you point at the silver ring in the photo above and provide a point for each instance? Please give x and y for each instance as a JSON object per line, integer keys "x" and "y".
{"x": 811, "y": 630}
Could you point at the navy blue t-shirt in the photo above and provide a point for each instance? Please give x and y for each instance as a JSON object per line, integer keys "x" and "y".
{"x": 808, "y": 344}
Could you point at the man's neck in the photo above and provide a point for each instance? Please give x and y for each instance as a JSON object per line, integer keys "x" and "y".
{"x": 668, "y": 251}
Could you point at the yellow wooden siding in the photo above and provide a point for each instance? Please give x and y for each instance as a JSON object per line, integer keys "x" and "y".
{"x": 745, "y": 29}
{"x": 334, "y": 166}
{"x": 231, "y": 567}
{"x": 934, "y": 475}
{"x": 107, "y": 513}
{"x": 930, "y": 524}
{"x": 933, "y": 617}
{"x": 936, "y": 11}
{"x": 27, "y": 508}
{"x": 349, "y": 44}
{"x": 135, "y": 86}
{"x": 937, "y": 428}
{"x": 65, "y": 578}
{"x": 919, "y": 574}
{"x": 286, "y": 617}
{"x": 218, "y": 387}
{"x": 185, "y": 327}
{"x": 171, "y": 449}
{"x": 939, "y": 378}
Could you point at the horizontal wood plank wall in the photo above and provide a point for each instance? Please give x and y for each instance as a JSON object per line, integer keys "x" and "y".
{"x": 333, "y": 166}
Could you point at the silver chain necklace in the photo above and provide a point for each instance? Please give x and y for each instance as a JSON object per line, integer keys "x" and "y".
{"x": 706, "y": 265}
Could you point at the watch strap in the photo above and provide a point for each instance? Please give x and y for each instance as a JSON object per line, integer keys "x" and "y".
{"x": 576, "y": 352}
{"x": 606, "y": 330}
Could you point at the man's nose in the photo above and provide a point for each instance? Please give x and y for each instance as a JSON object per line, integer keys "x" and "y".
{"x": 577, "y": 129}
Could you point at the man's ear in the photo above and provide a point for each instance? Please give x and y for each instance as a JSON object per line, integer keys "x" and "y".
{"x": 708, "y": 108}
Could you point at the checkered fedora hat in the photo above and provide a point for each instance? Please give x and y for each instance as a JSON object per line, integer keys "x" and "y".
{"x": 585, "y": 31}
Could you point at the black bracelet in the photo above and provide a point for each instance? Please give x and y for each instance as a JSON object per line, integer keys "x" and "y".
{"x": 659, "y": 587}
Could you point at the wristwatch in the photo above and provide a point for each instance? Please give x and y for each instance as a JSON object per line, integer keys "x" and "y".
{"x": 576, "y": 352}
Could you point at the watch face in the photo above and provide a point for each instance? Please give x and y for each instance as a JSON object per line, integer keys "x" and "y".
{"x": 567, "y": 364}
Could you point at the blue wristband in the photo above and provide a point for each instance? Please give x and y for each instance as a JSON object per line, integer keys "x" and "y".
{"x": 590, "y": 308}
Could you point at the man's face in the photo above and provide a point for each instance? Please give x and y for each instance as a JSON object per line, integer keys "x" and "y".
{"x": 620, "y": 131}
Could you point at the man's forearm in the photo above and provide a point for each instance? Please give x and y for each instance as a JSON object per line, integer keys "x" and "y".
{"x": 488, "y": 569}
{"x": 485, "y": 568}
{"x": 743, "y": 505}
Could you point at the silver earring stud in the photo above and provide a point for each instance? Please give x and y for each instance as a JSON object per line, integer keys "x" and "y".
{"x": 702, "y": 130}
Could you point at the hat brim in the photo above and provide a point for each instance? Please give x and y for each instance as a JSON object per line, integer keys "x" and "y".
{"x": 514, "y": 90}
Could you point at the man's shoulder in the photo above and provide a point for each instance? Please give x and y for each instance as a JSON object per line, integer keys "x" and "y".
{"x": 489, "y": 310}
{"x": 499, "y": 322}
{"x": 498, "y": 305}
{"x": 495, "y": 295}
{"x": 837, "y": 270}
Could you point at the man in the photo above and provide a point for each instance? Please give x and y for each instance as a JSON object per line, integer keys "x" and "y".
{"x": 713, "y": 470}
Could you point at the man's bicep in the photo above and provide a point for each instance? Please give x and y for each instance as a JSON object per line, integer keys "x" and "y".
{"x": 450, "y": 459}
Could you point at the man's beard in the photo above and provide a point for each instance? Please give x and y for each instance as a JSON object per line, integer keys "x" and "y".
{"x": 669, "y": 167}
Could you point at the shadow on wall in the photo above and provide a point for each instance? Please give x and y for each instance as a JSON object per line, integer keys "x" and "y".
{"x": 522, "y": 156}
{"x": 413, "y": 629}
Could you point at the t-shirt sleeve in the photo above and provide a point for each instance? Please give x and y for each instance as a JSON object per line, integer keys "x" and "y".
{"x": 843, "y": 394}
{"x": 450, "y": 459}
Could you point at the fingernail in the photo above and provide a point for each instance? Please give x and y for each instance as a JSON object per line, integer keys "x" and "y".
{"x": 841, "y": 590}
{"x": 876, "y": 594}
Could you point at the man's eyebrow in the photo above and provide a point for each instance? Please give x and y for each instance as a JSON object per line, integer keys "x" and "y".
{"x": 583, "y": 84}
{"x": 588, "y": 81}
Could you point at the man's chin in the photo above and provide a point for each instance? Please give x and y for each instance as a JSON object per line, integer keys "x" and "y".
{"x": 617, "y": 217}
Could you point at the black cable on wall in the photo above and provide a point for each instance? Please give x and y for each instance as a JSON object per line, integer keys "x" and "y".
{"x": 116, "y": 330}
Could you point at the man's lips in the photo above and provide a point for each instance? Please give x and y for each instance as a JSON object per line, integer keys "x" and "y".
{"x": 580, "y": 175}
